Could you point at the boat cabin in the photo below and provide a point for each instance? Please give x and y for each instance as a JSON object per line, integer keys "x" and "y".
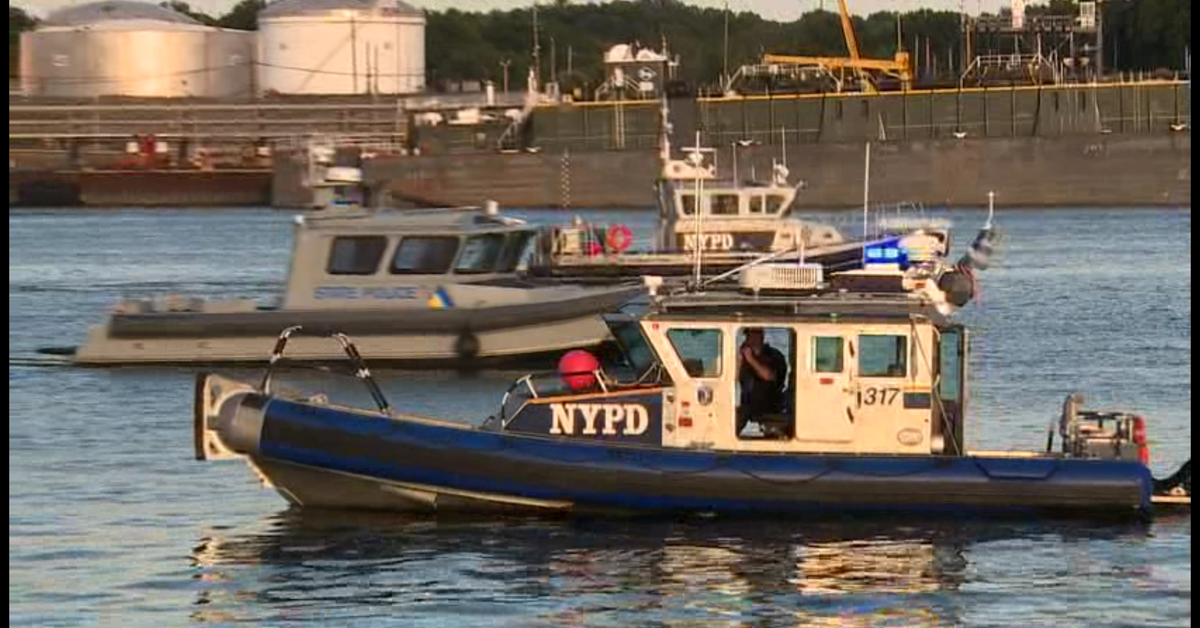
{"x": 365, "y": 259}
{"x": 752, "y": 217}
{"x": 848, "y": 373}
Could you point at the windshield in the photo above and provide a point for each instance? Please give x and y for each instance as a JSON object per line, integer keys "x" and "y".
{"x": 637, "y": 351}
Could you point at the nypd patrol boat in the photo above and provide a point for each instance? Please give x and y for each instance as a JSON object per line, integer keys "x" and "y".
{"x": 730, "y": 219}
{"x": 415, "y": 287}
{"x": 873, "y": 417}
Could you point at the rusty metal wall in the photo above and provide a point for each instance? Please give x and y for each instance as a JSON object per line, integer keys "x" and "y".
{"x": 1090, "y": 171}
{"x": 1145, "y": 107}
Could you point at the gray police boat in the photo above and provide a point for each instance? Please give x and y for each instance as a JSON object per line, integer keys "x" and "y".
{"x": 871, "y": 420}
{"x": 418, "y": 287}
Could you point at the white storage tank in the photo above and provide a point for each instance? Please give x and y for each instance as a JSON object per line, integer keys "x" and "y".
{"x": 125, "y": 48}
{"x": 341, "y": 47}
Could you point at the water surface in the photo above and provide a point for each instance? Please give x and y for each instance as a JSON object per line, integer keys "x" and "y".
{"x": 113, "y": 523}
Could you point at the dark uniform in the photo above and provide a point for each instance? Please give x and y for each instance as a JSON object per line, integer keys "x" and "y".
{"x": 760, "y": 396}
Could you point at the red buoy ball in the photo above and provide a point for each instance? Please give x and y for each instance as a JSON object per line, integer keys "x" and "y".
{"x": 577, "y": 369}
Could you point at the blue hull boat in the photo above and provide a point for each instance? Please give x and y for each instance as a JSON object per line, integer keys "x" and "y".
{"x": 329, "y": 457}
{"x": 788, "y": 395}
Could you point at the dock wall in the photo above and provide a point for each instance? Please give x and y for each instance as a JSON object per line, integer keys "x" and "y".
{"x": 1142, "y": 108}
{"x": 147, "y": 188}
{"x": 1081, "y": 144}
{"x": 1107, "y": 170}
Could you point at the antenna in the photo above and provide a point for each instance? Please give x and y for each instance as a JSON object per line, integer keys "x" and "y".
{"x": 736, "y": 179}
{"x": 725, "y": 63}
{"x": 665, "y": 130}
{"x": 696, "y": 158}
{"x": 537, "y": 64}
{"x": 783, "y": 145}
{"x": 899, "y": 36}
{"x": 866, "y": 198}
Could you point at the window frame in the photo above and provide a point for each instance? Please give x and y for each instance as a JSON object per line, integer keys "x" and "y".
{"x": 449, "y": 265}
{"x": 484, "y": 269}
{"x": 636, "y": 348}
{"x": 956, "y": 357}
{"x": 333, "y": 247}
{"x": 720, "y": 201}
{"x": 684, "y": 198}
{"x": 719, "y": 354}
{"x": 516, "y": 244}
{"x": 841, "y": 355}
{"x": 902, "y": 354}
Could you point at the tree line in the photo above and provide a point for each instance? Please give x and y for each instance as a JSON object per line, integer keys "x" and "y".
{"x": 572, "y": 38}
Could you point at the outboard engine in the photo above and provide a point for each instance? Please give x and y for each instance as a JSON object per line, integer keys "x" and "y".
{"x": 1114, "y": 436}
{"x": 1104, "y": 435}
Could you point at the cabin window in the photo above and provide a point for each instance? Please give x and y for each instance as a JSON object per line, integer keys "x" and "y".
{"x": 424, "y": 255}
{"x": 480, "y": 253}
{"x": 775, "y": 203}
{"x": 699, "y": 350}
{"x": 950, "y": 367}
{"x": 827, "y": 354}
{"x": 882, "y": 356}
{"x": 356, "y": 255}
{"x": 756, "y": 204}
{"x": 725, "y": 205}
{"x": 514, "y": 250}
{"x": 633, "y": 344}
{"x": 689, "y": 204}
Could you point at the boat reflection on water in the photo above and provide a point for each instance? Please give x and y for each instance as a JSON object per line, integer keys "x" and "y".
{"x": 340, "y": 566}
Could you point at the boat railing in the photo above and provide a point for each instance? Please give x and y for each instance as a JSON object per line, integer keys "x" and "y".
{"x": 556, "y": 384}
{"x": 885, "y": 219}
{"x": 360, "y": 366}
{"x": 585, "y": 239}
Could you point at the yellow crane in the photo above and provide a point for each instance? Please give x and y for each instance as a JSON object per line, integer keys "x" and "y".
{"x": 899, "y": 67}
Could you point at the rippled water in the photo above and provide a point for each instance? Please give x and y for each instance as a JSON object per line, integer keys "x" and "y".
{"x": 113, "y": 523}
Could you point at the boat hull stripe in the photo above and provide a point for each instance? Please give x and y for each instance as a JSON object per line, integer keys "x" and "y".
{"x": 648, "y": 478}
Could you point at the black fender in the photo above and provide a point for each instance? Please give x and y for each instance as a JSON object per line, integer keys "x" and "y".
{"x": 466, "y": 346}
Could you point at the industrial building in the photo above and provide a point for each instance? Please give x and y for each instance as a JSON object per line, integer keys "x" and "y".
{"x": 635, "y": 73}
{"x": 125, "y": 48}
{"x": 341, "y": 47}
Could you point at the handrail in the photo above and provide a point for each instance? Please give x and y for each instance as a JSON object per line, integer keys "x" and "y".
{"x": 361, "y": 372}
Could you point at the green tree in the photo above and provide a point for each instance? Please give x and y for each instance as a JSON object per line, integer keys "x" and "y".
{"x": 186, "y": 9}
{"x": 1147, "y": 34}
{"x": 243, "y": 16}
{"x": 463, "y": 45}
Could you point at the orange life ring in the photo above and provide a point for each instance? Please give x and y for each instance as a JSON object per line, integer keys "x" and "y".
{"x": 619, "y": 238}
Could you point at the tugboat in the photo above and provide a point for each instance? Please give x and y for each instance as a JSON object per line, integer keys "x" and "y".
{"x": 419, "y": 287}
{"x": 869, "y": 416}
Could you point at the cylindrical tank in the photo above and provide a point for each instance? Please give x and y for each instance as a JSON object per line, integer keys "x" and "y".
{"x": 125, "y": 48}
{"x": 341, "y": 47}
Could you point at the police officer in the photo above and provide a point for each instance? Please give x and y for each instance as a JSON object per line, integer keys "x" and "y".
{"x": 762, "y": 372}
